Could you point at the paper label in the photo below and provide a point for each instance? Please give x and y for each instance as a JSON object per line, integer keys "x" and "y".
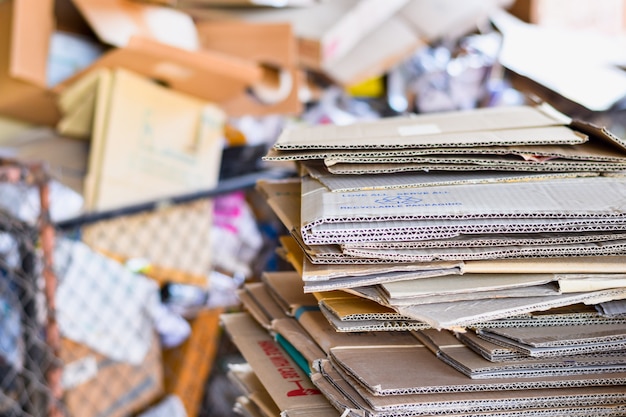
{"x": 79, "y": 372}
{"x": 418, "y": 129}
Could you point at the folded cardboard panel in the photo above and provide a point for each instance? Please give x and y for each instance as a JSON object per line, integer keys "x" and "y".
{"x": 612, "y": 247}
{"x": 479, "y": 127}
{"x": 462, "y": 358}
{"x": 286, "y": 289}
{"x": 541, "y": 206}
{"x": 468, "y": 313}
{"x": 146, "y": 123}
{"x": 349, "y": 394}
{"x": 472, "y": 164}
{"x": 564, "y": 340}
{"x": 400, "y": 180}
{"x": 382, "y": 378}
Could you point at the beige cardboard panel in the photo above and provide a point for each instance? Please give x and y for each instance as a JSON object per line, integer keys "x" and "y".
{"x": 66, "y": 158}
{"x": 371, "y": 325}
{"x": 326, "y": 31}
{"x": 570, "y": 264}
{"x": 174, "y": 142}
{"x": 462, "y": 284}
{"x": 564, "y": 335}
{"x": 529, "y": 50}
{"x": 590, "y": 151}
{"x": 325, "y": 272}
{"x": 350, "y": 307}
{"x": 380, "y": 378}
{"x": 269, "y": 43}
{"x": 613, "y": 247}
{"x": 494, "y": 240}
{"x": 481, "y": 403}
{"x": 585, "y": 167}
{"x": 286, "y": 289}
{"x": 348, "y": 182}
{"x": 351, "y": 282}
{"x": 321, "y": 331}
{"x": 547, "y": 199}
{"x": 467, "y": 313}
{"x": 489, "y": 350}
{"x": 600, "y": 147}
{"x": 264, "y": 300}
{"x": 595, "y": 345}
{"x": 254, "y": 309}
{"x": 479, "y": 127}
{"x": 541, "y": 290}
{"x": 462, "y": 358}
{"x": 137, "y": 385}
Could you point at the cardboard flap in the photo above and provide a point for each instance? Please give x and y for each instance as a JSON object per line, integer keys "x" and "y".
{"x": 115, "y": 22}
{"x": 478, "y": 127}
{"x": 270, "y": 43}
{"x": 210, "y": 76}
{"x": 273, "y": 48}
{"x": 32, "y": 27}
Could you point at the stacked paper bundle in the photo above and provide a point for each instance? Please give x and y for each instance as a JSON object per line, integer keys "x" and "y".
{"x": 493, "y": 239}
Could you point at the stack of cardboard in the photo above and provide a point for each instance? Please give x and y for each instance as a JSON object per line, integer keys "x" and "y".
{"x": 486, "y": 237}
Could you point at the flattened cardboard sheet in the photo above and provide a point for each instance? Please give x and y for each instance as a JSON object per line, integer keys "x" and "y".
{"x": 351, "y": 395}
{"x": 348, "y": 182}
{"x": 612, "y": 247}
{"x": 460, "y": 357}
{"x": 469, "y": 164}
{"x": 493, "y": 240}
{"x": 171, "y": 143}
{"x": 287, "y": 290}
{"x": 264, "y": 301}
{"x": 549, "y": 199}
{"x": 467, "y": 313}
{"x": 423, "y": 374}
{"x": 370, "y": 325}
{"x": 560, "y": 341}
{"x": 478, "y": 127}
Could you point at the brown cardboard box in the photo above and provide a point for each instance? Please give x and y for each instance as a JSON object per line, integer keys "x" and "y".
{"x": 24, "y": 37}
{"x": 95, "y": 385}
{"x": 147, "y": 141}
{"x": 187, "y": 367}
{"x": 273, "y": 46}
